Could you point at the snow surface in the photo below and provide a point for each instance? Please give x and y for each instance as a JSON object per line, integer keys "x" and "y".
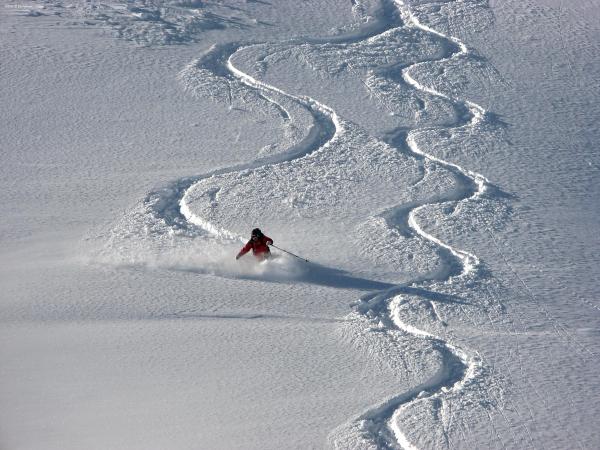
{"x": 436, "y": 163}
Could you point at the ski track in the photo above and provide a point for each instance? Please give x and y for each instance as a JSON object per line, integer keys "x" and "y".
{"x": 459, "y": 365}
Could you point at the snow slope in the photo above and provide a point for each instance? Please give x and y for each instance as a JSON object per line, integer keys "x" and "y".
{"x": 433, "y": 161}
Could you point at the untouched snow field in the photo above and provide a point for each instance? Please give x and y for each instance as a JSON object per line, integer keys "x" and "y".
{"x": 435, "y": 162}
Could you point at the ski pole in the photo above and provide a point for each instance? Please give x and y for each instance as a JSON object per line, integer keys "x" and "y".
{"x": 290, "y": 253}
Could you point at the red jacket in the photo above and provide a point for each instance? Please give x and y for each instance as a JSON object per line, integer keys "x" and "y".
{"x": 259, "y": 247}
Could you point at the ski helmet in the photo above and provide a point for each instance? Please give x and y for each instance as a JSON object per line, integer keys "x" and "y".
{"x": 257, "y": 232}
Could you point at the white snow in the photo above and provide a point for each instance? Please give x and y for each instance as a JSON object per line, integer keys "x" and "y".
{"x": 435, "y": 162}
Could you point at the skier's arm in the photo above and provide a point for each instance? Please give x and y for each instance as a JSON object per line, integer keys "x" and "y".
{"x": 244, "y": 250}
{"x": 268, "y": 240}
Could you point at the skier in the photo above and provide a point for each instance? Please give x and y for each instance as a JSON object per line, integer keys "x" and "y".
{"x": 259, "y": 244}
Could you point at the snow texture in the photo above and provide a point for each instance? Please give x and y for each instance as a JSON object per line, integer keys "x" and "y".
{"x": 432, "y": 163}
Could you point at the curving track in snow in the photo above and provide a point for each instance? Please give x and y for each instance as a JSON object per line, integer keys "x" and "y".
{"x": 169, "y": 204}
{"x": 381, "y": 426}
